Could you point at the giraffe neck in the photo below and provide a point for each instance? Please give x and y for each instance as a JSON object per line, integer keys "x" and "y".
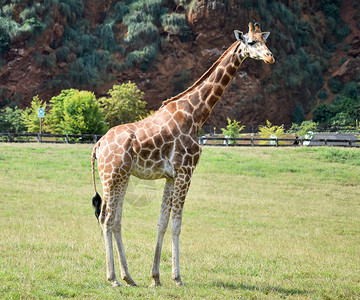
{"x": 197, "y": 102}
{"x": 208, "y": 92}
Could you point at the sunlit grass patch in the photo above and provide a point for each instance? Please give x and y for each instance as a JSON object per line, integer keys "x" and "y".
{"x": 258, "y": 223}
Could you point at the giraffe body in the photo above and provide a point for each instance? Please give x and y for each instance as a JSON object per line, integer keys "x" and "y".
{"x": 164, "y": 146}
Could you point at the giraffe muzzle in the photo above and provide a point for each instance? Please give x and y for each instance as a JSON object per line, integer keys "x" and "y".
{"x": 269, "y": 59}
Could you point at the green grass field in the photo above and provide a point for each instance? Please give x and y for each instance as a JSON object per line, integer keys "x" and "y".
{"x": 258, "y": 223}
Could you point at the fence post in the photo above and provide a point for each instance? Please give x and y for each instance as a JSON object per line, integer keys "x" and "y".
{"x": 95, "y": 138}
{"x": 252, "y": 142}
{"x": 325, "y": 142}
{"x": 276, "y": 142}
{"x": 67, "y": 139}
{"x": 38, "y": 138}
{"x": 227, "y": 141}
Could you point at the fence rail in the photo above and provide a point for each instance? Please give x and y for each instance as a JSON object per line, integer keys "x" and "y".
{"x": 49, "y": 138}
{"x": 274, "y": 142}
{"x": 208, "y": 141}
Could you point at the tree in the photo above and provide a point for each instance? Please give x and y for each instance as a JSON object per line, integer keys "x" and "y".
{"x": 232, "y": 129}
{"x": 124, "y": 105}
{"x": 269, "y": 131}
{"x": 30, "y": 115}
{"x": 303, "y": 129}
{"x": 76, "y": 112}
{"x": 11, "y": 120}
{"x": 323, "y": 113}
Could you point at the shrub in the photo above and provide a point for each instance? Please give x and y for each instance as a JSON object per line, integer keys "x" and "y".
{"x": 4, "y": 41}
{"x": 335, "y": 85}
{"x": 268, "y": 131}
{"x": 75, "y": 112}
{"x": 323, "y": 113}
{"x": 342, "y": 119}
{"x": 125, "y": 104}
{"x": 108, "y": 41}
{"x": 121, "y": 10}
{"x": 302, "y": 129}
{"x": 298, "y": 114}
{"x": 323, "y": 95}
{"x": 11, "y": 120}
{"x": 351, "y": 90}
{"x": 175, "y": 24}
{"x": 140, "y": 34}
{"x": 233, "y": 129}
{"x": 143, "y": 58}
{"x": 30, "y": 116}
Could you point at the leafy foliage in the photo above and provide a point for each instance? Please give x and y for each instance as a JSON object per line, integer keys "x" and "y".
{"x": 344, "y": 110}
{"x": 322, "y": 113}
{"x": 11, "y": 120}
{"x": 268, "y": 131}
{"x": 298, "y": 114}
{"x": 302, "y": 129}
{"x": 335, "y": 85}
{"x": 233, "y": 129}
{"x": 30, "y": 116}
{"x": 75, "y": 112}
{"x": 175, "y": 24}
{"x": 125, "y": 104}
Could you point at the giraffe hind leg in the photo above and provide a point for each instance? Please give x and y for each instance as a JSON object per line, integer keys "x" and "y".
{"x": 125, "y": 274}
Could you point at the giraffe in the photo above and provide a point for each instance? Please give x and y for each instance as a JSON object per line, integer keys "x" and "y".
{"x": 164, "y": 145}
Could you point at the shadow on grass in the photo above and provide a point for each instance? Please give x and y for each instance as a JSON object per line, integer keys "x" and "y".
{"x": 263, "y": 289}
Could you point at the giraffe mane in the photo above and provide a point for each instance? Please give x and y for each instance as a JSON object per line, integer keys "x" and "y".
{"x": 202, "y": 78}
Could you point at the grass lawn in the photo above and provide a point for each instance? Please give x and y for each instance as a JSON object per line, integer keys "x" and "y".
{"x": 258, "y": 223}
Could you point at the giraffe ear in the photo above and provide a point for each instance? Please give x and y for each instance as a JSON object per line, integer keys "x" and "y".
{"x": 265, "y": 35}
{"x": 240, "y": 36}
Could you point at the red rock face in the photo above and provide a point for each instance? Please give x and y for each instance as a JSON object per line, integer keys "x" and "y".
{"x": 180, "y": 64}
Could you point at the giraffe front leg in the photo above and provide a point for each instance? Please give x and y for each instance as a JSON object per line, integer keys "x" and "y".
{"x": 181, "y": 188}
{"x": 175, "y": 230}
{"x": 161, "y": 230}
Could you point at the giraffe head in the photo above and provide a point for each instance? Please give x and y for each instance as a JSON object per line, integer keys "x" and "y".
{"x": 254, "y": 43}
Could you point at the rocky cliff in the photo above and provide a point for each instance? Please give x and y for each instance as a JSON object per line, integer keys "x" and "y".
{"x": 309, "y": 43}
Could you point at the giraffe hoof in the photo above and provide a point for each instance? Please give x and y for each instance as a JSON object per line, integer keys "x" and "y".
{"x": 155, "y": 282}
{"x": 131, "y": 283}
{"x": 178, "y": 282}
{"x": 115, "y": 283}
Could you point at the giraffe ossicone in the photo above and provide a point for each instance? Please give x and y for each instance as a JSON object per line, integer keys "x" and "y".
{"x": 164, "y": 145}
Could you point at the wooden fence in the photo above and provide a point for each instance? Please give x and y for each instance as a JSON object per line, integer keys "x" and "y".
{"x": 206, "y": 141}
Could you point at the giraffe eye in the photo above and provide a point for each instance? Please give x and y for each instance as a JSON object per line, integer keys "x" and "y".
{"x": 251, "y": 43}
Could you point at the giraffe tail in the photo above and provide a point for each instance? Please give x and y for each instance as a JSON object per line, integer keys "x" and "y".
{"x": 96, "y": 200}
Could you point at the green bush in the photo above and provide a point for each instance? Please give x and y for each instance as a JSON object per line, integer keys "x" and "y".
{"x": 302, "y": 129}
{"x": 298, "y": 114}
{"x": 121, "y": 10}
{"x": 125, "y": 104}
{"x": 323, "y": 95}
{"x": 108, "y": 41}
{"x": 4, "y": 41}
{"x": 323, "y": 113}
{"x": 11, "y": 120}
{"x": 75, "y": 112}
{"x": 335, "y": 85}
{"x": 140, "y": 34}
{"x": 351, "y": 90}
{"x": 30, "y": 117}
{"x": 92, "y": 68}
{"x": 175, "y": 24}
{"x": 331, "y": 8}
{"x": 232, "y": 129}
